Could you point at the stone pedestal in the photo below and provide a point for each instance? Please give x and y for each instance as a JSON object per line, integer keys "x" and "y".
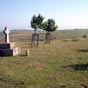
{"x": 9, "y": 49}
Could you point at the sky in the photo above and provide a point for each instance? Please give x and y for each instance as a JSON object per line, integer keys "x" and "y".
{"x": 68, "y": 14}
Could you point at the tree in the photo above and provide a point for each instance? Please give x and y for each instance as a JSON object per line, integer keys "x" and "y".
{"x": 36, "y": 23}
{"x": 49, "y": 26}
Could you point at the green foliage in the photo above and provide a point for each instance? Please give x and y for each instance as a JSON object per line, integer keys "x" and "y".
{"x": 50, "y": 26}
{"x": 33, "y": 22}
{"x": 36, "y": 21}
{"x": 44, "y": 25}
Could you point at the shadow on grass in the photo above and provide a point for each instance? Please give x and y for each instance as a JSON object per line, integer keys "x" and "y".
{"x": 83, "y": 50}
{"x": 78, "y": 67}
{"x": 11, "y": 84}
{"x": 63, "y": 86}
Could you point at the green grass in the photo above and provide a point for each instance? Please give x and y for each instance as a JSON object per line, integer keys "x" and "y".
{"x": 58, "y": 65}
{"x": 61, "y": 64}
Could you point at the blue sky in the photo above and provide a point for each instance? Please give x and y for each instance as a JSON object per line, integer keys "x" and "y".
{"x": 16, "y": 14}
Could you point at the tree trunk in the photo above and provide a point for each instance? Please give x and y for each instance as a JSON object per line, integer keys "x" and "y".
{"x": 48, "y": 37}
{"x": 35, "y": 38}
{"x": 35, "y": 30}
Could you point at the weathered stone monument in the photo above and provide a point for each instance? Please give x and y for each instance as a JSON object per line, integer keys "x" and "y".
{"x": 8, "y": 48}
{"x": 6, "y": 32}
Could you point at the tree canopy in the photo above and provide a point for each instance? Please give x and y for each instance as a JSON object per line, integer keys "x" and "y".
{"x": 50, "y": 26}
{"x": 36, "y": 21}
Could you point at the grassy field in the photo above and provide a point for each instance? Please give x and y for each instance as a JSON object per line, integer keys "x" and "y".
{"x": 61, "y": 64}
{"x": 25, "y": 35}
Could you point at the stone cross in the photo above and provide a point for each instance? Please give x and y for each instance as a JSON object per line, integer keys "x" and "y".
{"x": 6, "y": 32}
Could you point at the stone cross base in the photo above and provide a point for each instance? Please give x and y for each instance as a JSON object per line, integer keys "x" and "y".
{"x": 7, "y": 45}
{"x": 10, "y": 52}
{"x": 9, "y": 49}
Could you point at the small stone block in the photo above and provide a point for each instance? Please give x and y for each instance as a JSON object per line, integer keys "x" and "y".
{"x": 27, "y": 52}
{"x": 16, "y": 51}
